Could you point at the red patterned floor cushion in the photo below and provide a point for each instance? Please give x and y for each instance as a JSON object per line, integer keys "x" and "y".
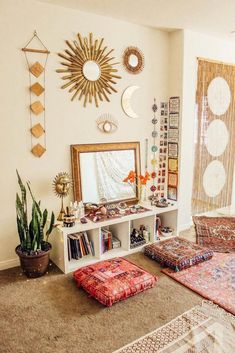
{"x": 177, "y": 253}
{"x": 113, "y": 280}
{"x": 216, "y": 233}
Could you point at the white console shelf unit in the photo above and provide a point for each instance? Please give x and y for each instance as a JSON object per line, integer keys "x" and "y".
{"x": 120, "y": 227}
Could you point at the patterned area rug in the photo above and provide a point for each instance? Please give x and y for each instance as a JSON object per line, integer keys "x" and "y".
{"x": 216, "y": 233}
{"x": 213, "y": 279}
{"x": 203, "y": 329}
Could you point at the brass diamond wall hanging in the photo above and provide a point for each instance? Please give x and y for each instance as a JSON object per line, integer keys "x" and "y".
{"x": 37, "y": 89}
{"x": 37, "y": 130}
{"x": 37, "y": 107}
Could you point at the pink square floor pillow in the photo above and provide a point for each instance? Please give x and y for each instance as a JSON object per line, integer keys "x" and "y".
{"x": 113, "y": 280}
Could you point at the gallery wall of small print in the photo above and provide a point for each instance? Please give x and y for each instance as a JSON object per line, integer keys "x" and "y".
{"x": 173, "y": 148}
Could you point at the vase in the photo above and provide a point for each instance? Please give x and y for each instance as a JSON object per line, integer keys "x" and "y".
{"x": 142, "y": 197}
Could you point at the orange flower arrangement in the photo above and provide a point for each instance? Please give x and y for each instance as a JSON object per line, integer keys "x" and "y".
{"x": 132, "y": 178}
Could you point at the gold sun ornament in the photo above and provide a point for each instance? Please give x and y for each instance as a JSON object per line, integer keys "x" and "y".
{"x": 91, "y": 72}
{"x": 62, "y": 184}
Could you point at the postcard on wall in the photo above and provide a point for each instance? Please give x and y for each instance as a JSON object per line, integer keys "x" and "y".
{"x": 173, "y": 135}
{"x": 174, "y": 105}
{"x": 172, "y": 179}
{"x": 173, "y": 149}
{"x": 173, "y": 164}
{"x": 172, "y": 193}
{"x": 174, "y": 120}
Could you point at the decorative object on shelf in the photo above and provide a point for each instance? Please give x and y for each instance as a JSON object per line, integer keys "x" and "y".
{"x": 107, "y": 124}
{"x": 33, "y": 251}
{"x": 133, "y": 60}
{"x": 126, "y": 101}
{"x": 68, "y": 219}
{"x": 62, "y": 184}
{"x": 166, "y": 231}
{"x": 173, "y": 147}
{"x": 133, "y": 178}
{"x": 89, "y": 70}
{"x": 37, "y": 108}
{"x": 139, "y": 237}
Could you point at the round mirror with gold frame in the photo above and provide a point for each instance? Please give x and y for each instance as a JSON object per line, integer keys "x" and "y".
{"x": 89, "y": 70}
{"x": 133, "y": 60}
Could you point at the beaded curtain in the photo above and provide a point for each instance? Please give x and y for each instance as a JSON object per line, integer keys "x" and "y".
{"x": 215, "y": 138}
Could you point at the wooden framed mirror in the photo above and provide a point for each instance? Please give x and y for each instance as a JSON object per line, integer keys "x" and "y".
{"x": 99, "y": 169}
{"x": 133, "y": 60}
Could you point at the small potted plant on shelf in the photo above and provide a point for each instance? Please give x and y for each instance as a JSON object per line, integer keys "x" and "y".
{"x": 33, "y": 251}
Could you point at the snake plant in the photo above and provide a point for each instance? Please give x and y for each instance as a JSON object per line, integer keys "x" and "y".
{"x": 31, "y": 233}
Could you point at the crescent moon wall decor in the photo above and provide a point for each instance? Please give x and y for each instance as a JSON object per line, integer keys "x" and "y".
{"x": 89, "y": 70}
{"x": 126, "y": 101}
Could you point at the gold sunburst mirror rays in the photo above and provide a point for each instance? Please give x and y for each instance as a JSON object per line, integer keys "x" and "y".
{"x": 89, "y": 70}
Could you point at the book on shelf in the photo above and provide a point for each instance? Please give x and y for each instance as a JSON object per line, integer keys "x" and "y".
{"x": 79, "y": 246}
{"x": 108, "y": 241}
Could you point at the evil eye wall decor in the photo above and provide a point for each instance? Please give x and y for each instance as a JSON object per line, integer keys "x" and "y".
{"x": 107, "y": 124}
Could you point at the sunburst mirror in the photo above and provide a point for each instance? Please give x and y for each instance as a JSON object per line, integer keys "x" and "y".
{"x": 91, "y": 73}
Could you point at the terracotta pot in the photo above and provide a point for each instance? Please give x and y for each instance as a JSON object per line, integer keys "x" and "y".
{"x": 34, "y": 265}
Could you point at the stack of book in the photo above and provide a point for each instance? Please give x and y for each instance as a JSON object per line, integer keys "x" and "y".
{"x": 108, "y": 240}
{"x": 79, "y": 245}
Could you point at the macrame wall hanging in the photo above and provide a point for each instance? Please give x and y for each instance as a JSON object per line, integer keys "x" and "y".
{"x": 36, "y": 59}
{"x": 215, "y": 140}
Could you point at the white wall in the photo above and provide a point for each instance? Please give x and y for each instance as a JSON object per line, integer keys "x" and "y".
{"x": 67, "y": 122}
{"x": 195, "y": 45}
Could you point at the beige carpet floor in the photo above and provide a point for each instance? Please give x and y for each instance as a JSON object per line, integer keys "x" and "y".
{"x": 50, "y": 315}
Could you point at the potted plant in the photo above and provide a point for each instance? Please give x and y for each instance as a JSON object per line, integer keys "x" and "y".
{"x": 33, "y": 251}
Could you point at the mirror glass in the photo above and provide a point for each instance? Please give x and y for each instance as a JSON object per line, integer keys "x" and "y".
{"x": 102, "y": 175}
{"x": 91, "y": 70}
{"x": 133, "y": 60}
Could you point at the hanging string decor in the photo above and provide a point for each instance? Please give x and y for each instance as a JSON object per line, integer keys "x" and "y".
{"x": 154, "y": 150}
{"x": 37, "y": 111}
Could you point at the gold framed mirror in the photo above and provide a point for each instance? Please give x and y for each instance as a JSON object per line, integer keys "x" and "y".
{"x": 99, "y": 170}
{"x": 89, "y": 70}
{"x": 133, "y": 60}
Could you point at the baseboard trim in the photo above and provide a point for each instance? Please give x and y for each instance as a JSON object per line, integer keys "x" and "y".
{"x": 9, "y": 263}
{"x": 185, "y": 226}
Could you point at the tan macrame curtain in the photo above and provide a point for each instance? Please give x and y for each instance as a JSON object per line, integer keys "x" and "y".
{"x": 215, "y": 142}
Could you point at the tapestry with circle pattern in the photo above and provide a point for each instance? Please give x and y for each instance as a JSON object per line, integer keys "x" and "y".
{"x": 215, "y": 142}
